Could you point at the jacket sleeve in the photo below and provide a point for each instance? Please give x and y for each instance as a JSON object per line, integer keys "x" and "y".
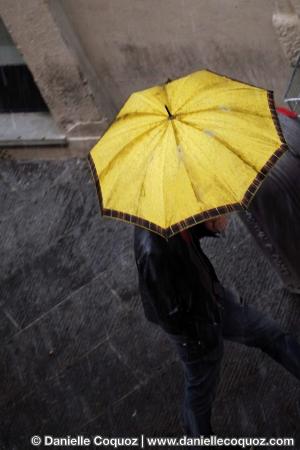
{"x": 158, "y": 287}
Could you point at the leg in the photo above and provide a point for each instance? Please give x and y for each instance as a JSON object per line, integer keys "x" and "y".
{"x": 201, "y": 376}
{"x": 243, "y": 323}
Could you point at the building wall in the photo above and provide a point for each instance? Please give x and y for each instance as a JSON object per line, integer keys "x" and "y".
{"x": 50, "y": 60}
{"x": 286, "y": 23}
{"x": 133, "y": 44}
{"x": 57, "y": 73}
{"x": 87, "y": 56}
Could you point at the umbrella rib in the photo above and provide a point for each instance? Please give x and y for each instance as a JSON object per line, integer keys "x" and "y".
{"x": 193, "y": 96}
{"x": 228, "y": 146}
{"x": 146, "y": 170}
{"x": 183, "y": 84}
{"x": 134, "y": 114}
{"x": 227, "y": 185}
{"x": 107, "y": 200}
{"x": 217, "y": 109}
{"x": 213, "y": 87}
{"x": 133, "y": 141}
{"x": 177, "y": 144}
{"x": 156, "y": 105}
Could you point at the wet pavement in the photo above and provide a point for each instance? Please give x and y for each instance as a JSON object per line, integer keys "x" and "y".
{"x": 77, "y": 354}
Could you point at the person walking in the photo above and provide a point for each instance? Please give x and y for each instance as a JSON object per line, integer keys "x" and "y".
{"x": 178, "y": 153}
{"x": 181, "y": 293}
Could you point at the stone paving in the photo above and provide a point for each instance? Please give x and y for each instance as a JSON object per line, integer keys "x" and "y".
{"x": 77, "y": 354}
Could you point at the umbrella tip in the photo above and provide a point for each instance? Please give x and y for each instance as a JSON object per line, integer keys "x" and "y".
{"x": 169, "y": 113}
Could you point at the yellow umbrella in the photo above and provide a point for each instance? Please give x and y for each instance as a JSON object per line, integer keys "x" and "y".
{"x": 186, "y": 151}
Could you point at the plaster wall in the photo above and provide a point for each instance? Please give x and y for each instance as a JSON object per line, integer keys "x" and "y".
{"x": 134, "y": 44}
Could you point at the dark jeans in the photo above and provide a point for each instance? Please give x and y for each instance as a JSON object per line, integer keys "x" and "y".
{"x": 238, "y": 322}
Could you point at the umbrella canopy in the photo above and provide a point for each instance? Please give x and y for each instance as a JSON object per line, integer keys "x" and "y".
{"x": 186, "y": 151}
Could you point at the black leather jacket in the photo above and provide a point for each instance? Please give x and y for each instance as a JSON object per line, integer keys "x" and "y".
{"x": 178, "y": 285}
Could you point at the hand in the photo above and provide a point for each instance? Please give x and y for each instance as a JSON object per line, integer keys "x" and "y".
{"x": 217, "y": 224}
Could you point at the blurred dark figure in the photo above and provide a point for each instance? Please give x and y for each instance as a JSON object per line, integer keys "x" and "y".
{"x": 180, "y": 292}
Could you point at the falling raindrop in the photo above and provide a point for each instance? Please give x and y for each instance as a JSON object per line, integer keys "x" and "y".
{"x": 224, "y": 108}
{"x": 180, "y": 152}
{"x": 209, "y": 133}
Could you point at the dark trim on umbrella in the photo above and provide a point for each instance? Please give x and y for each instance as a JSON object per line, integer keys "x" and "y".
{"x": 192, "y": 220}
{"x": 177, "y": 227}
{"x": 257, "y": 182}
{"x": 233, "y": 79}
{"x": 164, "y": 232}
{"x": 275, "y": 116}
{"x": 96, "y": 180}
{"x": 212, "y": 213}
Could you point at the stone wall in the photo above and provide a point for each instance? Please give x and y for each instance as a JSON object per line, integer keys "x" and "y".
{"x": 286, "y": 22}
{"x": 134, "y": 44}
{"x": 54, "y": 65}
